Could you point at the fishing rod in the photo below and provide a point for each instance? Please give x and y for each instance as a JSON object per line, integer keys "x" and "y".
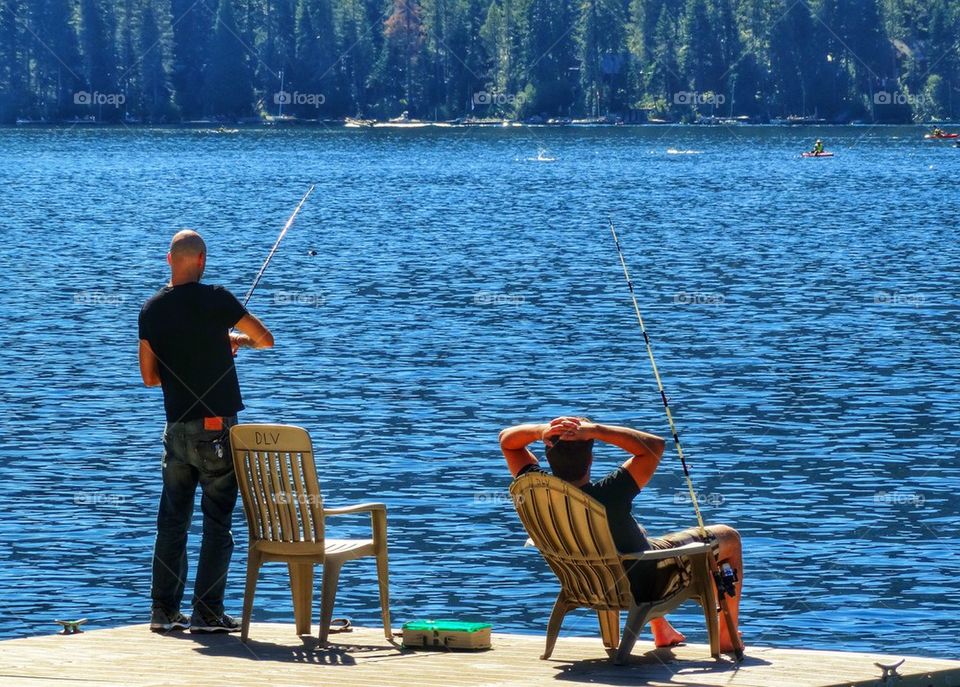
{"x": 724, "y": 578}
{"x": 283, "y": 232}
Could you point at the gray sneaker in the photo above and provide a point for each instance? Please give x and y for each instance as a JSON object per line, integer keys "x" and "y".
{"x": 162, "y": 620}
{"x": 207, "y": 625}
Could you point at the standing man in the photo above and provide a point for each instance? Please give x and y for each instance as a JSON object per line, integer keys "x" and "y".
{"x": 187, "y": 348}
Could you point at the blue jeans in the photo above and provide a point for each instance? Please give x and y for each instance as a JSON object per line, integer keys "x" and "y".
{"x": 190, "y": 458}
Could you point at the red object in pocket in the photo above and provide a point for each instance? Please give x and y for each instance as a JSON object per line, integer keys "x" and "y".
{"x": 213, "y": 423}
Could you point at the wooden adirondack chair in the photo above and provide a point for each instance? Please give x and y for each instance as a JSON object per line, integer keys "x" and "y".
{"x": 285, "y": 515}
{"x": 571, "y": 531}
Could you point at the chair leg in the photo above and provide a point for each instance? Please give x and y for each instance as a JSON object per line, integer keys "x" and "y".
{"x": 328, "y": 595}
{"x": 609, "y": 628}
{"x": 383, "y": 580}
{"x": 706, "y": 593}
{"x": 253, "y": 571}
{"x": 636, "y": 619}
{"x": 560, "y": 609}
{"x": 301, "y": 588}
{"x": 711, "y": 615}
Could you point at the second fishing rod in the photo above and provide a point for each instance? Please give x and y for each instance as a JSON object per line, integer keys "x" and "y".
{"x": 724, "y": 576}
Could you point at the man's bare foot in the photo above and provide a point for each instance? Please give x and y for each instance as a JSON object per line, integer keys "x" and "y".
{"x": 664, "y": 634}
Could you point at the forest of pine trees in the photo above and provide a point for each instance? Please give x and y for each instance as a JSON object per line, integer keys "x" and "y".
{"x": 182, "y": 60}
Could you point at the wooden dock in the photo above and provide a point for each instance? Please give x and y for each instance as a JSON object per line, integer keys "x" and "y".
{"x": 133, "y": 656}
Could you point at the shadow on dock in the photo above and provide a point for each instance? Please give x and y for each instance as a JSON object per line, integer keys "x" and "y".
{"x": 132, "y": 656}
{"x": 663, "y": 664}
{"x": 336, "y": 653}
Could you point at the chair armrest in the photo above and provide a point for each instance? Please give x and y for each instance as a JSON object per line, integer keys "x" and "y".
{"x": 660, "y": 554}
{"x": 378, "y": 521}
{"x": 358, "y": 508}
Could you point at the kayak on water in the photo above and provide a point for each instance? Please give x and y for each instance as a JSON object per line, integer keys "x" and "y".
{"x": 940, "y": 136}
{"x": 824, "y": 154}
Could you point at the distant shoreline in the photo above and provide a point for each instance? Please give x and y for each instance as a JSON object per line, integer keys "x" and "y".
{"x": 440, "y": 124}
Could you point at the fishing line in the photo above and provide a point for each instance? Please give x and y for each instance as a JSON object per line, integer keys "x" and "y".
{"x": 283, "y": 232}
{"x": 663, "y": 394}
{"x": 723, "y": 580}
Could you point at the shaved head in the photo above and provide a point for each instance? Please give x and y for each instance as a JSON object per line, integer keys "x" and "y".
{"x": 187, "y": 243}
{"x": 187, "y": 256}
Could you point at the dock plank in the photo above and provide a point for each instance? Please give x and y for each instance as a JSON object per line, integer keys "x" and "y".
{"x": 133, "y": 656}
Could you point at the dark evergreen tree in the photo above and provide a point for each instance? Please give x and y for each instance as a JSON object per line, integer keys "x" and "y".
{"x": 662, "y": 82}
{"x": 154, "y": 67}
{"x": 698, "y": 58}
{"x": 13, "y": 90}
{"x": 602, "y": 38}
{"x": 400, "y": 61}
{"x": 59, "y": 77}
{"x": 796, "y": 53}
{"x": 191, "y": 32}
{"x": 274, "y": 62}
{"x": 229, "y": 91}
{"x": 549, "y": 57}
{"x": 735, "y": 80}
{"x": 98, "y": 47}
{"x": 357, "y": 55}
{"x": 165, "y": 59}
{"x": 500, "y": 55}
{"x": 319, "y": 68}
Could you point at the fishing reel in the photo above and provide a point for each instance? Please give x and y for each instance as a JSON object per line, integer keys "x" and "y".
{"x": 726, "y": 578}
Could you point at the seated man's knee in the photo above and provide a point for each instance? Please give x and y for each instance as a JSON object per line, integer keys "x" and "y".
{"x": 725, "y": 533}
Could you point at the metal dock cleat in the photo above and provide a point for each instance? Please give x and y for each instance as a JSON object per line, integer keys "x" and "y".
{"x": 71, "y": 627}
{"x": 890, "y": 671}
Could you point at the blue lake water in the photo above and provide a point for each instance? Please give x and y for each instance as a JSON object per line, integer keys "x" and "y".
{"x": 804, "y": 314}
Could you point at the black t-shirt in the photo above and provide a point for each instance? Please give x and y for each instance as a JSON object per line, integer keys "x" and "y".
{"x": 188, "y": 326}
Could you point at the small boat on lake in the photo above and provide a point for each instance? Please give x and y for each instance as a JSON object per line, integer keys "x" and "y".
{"x": 802, "y": 120}
{"x": 358, "y": 123}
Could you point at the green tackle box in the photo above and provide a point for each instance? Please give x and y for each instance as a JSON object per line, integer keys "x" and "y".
{"x": 446, "y": 634}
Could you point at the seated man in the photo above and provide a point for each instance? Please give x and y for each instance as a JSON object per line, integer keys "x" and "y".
{"x": 569, "y": 451}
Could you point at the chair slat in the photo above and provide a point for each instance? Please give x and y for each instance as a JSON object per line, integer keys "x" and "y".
{"x": 611, "y": 572}
{"x": 251, "y": 465}
{"x": 529, "y": 507}
{"x": 547, "y": 513}
{"x": 267, "y": 472}
{"x": 595, "y": 585}
{"x": 241, "y": 466}
{"x": 292, "y": 498}
{"x": 303, "y": 507}
{"x": 277, "y": 468}
{"x": 561, "y": 519}
{"x": 308, "y": 468}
